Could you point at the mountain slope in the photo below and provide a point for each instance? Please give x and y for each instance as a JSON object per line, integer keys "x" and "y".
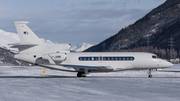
{"x": 159, "y": 25}
{"x": 7, "y": 53}
{"x": 7, "y": 59}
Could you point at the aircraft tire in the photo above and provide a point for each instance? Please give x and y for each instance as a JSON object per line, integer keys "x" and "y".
{"x": 81, "y": 74}
{"x": 150, "y": 76}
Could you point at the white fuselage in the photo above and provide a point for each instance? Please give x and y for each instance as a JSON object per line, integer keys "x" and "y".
{"x": 116, "y": 60}
{"x": 113, "y": 61}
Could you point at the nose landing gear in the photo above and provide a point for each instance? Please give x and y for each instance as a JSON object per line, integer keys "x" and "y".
{"x": 150, "y": 76}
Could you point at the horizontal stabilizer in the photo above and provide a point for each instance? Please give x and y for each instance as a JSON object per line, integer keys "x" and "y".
{"x": 17, "y": 45}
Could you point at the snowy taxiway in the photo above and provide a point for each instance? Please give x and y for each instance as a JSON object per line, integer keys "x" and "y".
{"x": 30, "y": 84}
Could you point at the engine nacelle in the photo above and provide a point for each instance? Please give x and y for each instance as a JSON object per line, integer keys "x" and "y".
{"x": 55, "y": 56}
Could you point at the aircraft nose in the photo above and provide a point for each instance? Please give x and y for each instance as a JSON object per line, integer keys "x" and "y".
{"x": 169, "y": 64}
{"x": 166, "y": 64}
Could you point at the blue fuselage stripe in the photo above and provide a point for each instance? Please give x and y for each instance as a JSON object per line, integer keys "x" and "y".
{"x": 79, "y": 66}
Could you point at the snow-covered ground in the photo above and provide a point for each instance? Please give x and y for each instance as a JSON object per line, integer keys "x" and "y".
{"x": 30, "y": 84}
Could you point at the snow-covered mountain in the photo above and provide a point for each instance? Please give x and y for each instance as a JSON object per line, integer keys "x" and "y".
{"x": 153, "y": 33}
{"x": 81, "y": 47}
{"x": 9, "y": 37}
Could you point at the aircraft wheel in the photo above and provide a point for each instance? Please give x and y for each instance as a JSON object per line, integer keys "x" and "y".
{"x": 81, "y": 74}
{"x": 150, "y": 76}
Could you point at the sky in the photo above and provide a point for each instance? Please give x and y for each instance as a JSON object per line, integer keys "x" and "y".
{"x": 74, "y": 21}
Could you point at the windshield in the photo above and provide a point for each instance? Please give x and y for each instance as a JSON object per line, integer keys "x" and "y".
{"x": 158, "y": 57}
{"x": 155, "y": 57}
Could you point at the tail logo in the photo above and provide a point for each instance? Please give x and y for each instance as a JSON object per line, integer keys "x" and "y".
{"x": 26, "y": 33}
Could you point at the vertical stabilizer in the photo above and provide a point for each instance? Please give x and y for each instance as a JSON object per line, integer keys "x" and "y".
{"x": 26, "y": 35}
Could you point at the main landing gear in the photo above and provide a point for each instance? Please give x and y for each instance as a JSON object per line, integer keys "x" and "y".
{"x": 150, "y": 76}
{"x": 81, "y": 74}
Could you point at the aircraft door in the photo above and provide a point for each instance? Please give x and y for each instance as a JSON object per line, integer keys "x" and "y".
{"x": 100, "y": 59}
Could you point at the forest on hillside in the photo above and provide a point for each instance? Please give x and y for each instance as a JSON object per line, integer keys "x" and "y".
{"x": 157, "y": 32}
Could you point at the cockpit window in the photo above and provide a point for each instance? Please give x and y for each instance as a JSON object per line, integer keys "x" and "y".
{"x": 154, "y": 57}
{"x": 158, "y": 57}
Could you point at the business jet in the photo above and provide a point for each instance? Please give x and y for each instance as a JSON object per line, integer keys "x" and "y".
{"x": 59, "y": 57}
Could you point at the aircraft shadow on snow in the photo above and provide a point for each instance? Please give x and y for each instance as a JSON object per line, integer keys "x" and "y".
{"x": 57, "y": 76}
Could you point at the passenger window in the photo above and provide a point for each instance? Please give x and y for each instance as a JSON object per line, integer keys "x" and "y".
{"x": 109, "y": 58}
{"x": 95, "y": 58}
{"x": 117, "y": 58}
{"x": 105, "y": 58}
{"x": 132, "y": 58}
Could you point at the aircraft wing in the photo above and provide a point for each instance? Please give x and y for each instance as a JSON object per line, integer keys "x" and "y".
{"x": 91, "y": 68}
{"x": 88, "y": 67}
{"x": 57, "y": 67}
{"x": 75, "y": 68}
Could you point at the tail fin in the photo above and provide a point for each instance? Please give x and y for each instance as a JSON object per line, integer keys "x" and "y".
{"x": 26, "y": 35}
